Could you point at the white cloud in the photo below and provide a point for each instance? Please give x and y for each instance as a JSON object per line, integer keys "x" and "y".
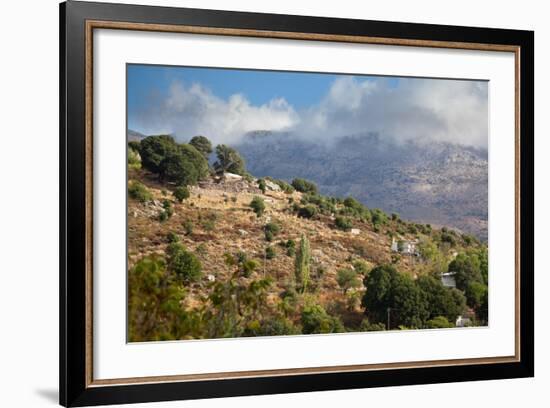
{"x": 194, "y": 110}
{"x": 421, "y": 109}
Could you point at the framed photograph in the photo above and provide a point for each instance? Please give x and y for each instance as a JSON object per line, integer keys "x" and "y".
{"x": 256, "y": 204}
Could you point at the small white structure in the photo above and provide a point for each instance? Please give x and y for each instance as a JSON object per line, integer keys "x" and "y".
{"x": 448, "y": 279}
{"x": 211, "y": 278}
{"x": 462, "y": 321}
{"x": 355, "y": 231}
{"x": 404, "y": 246}
{"x": 231, "y": 177}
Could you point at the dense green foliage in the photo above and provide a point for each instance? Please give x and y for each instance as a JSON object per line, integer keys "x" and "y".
{"x": 439, "y": 322}
{"x": 304, "y": 186}
{"x": 285, "y": 187}
{"x": 347, "y": 279}
{"x": 182, "y": 164}
{"x": 154, "y": 149}
{"x": 308, "y": 211}
{"x": 442, "y": 301}
{"x": 389, "y": 290}
{"x": 134, "y": 159}
{"x": 258, "y": 206}
{"x": 229, "y": 160}
{"x": 315, "y": 319}
{"x": 183, "y": 263}
{"x": 262, "y": 186}
{"x": 181, "y": 193}
{"x": 343, "y": 223}
{"x": 361, "y": 267}
{"x": 138, "y": 191}
{"x": 202, "y": 144}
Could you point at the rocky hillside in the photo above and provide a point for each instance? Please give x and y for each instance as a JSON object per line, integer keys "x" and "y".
{"x": 436, "y": 183}
{"x": 214, "y": 251}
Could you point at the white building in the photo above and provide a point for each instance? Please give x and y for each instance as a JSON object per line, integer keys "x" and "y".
{"x": 404, "y": 246}
{"x": 448, "y": 279}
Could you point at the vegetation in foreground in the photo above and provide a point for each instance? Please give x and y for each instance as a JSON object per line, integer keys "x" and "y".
{"x": 212, "y": 258}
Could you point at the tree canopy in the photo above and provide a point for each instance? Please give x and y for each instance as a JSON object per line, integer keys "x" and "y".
{"x": 180, "y": 163}
{"x": 185, "y": 165}
{"x": 388, "y": 289}
{"x": 202, "y": 144}
{"x": 229, "y": 160}
{"x": 304, "y": 186}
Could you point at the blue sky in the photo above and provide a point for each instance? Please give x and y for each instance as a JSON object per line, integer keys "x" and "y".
{"x": 300, "y": 89}
{"x": 225, "y": 104}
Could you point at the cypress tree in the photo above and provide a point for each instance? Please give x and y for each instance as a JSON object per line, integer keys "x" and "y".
{"x": 301, "y": 264}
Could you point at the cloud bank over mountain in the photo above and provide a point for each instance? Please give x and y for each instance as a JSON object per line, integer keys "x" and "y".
{"x": 421, "y": 109}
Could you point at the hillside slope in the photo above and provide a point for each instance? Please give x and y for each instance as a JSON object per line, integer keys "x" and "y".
{"x": 217, "y": 225}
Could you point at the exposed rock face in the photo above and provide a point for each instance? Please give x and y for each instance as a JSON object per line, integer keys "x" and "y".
{"x": 230, "y": 183}
{"x": 437, "y": 183}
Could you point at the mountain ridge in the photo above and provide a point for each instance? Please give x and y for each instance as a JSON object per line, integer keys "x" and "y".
{"x": 437, "y": 182}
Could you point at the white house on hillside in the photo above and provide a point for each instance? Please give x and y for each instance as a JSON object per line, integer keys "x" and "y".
{"x": 404, "y": 246}
{"x": 448, "y": 279}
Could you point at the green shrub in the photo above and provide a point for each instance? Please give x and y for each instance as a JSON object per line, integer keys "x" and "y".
{"x": 172, "y": 237}
{"x": 249, "y": 266}
{"x": 270, "y": 252}
{"x": 277, "y": 326}
{"x": 361, "y": 267}
{"x": 134, "y": 159}
{"x": 309, "y": 211}
{"x": 241, "y": 257}
{"x": 343, "y": 223}
{"x": 188, "y": 227}
{"x": 285, "y": 187}
{"x": 262, "y": 186}
{"x": 378, "y": 217}
{"x": 181, "y": 193}
{"x": 201, "y": 250}
{"x": 304, "y": 186}
{"x": 366, "y": 325}
{"x": 290, "y": 246}
{"x": 351, "y": 202}
{"x": 183, "y": 263}
{"x": 439, "y": 322}
{"x": 258, "y": 206}
{"x": 315, "y": 319}
{"x": 271, "y": 230}
{"x": 139, "y": 192}
{"x": 209, "y": 221}
{"x": 347, "y": 279}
